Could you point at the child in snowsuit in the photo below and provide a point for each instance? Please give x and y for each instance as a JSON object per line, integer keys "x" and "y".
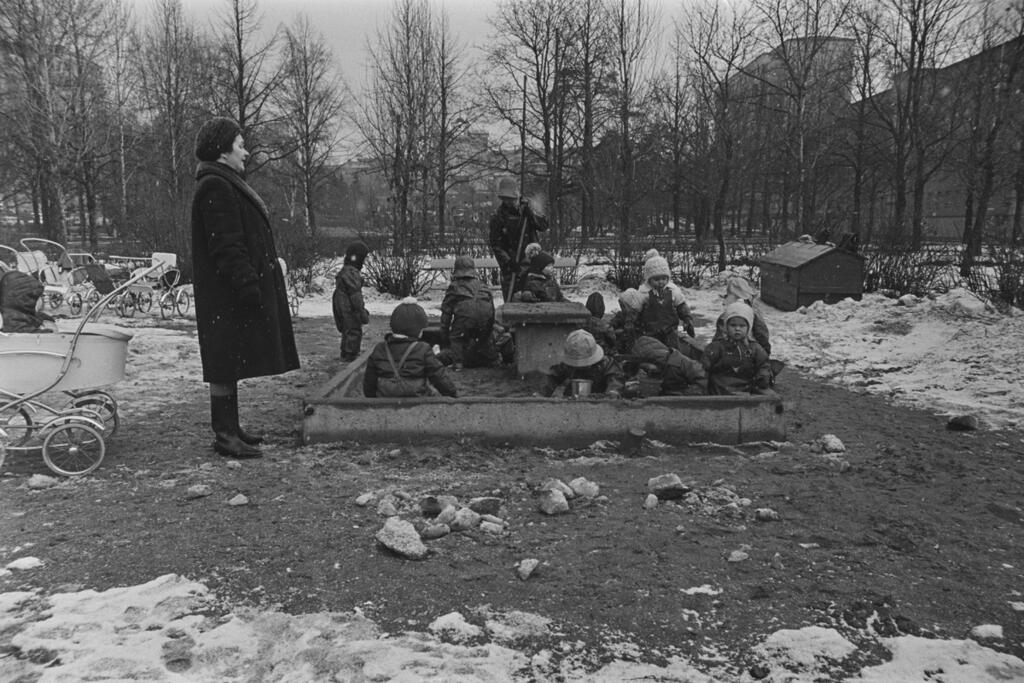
{"x": 597, "y": 326}
{"x": 467, "y": 318}
{"x": 350, "y": 312}
{"x": 402, "y": 365}
{"x": 624, "y": 322}
{"x": 664, "y": 307}
{"x": 738, "y": 289}
{"x": 21, "y": 304}
{"x": 679, "y": 375}
{"x": 737, "y": 364}
{"x": 582, "y": 358}
{"x": 538, "y": 282}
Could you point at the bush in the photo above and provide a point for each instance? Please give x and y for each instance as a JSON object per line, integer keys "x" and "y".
{"x": 904, "y": 271}
{"x": 306, "y": 258}
{"x": 626, "y": 270}
{"x": 1001, "y": 279}
{"x": 400, "y": 276}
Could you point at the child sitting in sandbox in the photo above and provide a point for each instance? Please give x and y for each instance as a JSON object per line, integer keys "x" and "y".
{"x": 737, "y": 364}
{"x": 584, "y": 360}
{"x": 402, "y": 365}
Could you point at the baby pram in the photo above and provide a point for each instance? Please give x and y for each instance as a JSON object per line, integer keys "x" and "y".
{"x": 72, "y": 365}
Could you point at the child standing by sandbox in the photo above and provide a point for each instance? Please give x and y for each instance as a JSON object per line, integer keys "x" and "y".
{"x": 737, "y": 364}
{"x": 402, "y": 365}
{"x": 347, "y": 304}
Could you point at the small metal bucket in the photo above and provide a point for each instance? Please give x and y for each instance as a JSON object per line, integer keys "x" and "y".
{"x": 581, "y": 387}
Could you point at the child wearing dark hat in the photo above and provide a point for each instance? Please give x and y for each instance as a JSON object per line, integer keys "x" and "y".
{"x": 737, "y": 364}
{"x": 349, "y": 309}
{"x": 467, "y": 317}
{"x": 538, "y": 282}
{"x": 597, "y": 326}
{"x": 584, "y": 359}
{"x": 402, "y": 365}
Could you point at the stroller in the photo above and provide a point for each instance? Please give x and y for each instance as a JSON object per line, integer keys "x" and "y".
{"x": 73, "y": 365}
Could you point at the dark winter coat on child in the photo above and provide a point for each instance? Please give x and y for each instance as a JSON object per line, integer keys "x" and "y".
{"x": 19, "y": 293}
{"x": 736, "y": 367}
{"x": 605, "y": 376}
{"x": 467, "y": 321}
{"x": 416, "y": 365}
{"x": 349, "y": 309}
{"x": 759, "y": 331}
{"x": 662, "y": 312}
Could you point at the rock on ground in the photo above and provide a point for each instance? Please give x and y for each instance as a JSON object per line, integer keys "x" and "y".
{"x": 667, "y": 487}
{"x": 552, "y": 502}
{"x": 400, "y": 536}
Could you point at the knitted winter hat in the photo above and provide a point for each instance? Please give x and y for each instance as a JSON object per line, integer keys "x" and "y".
{"x": 595, "y": 304}
{"x": 649, "y": 254}
{"x": 581, "y": 350}
{"x": 738, "y": 309}
{"x": 532, "y": 249}
{"x": 408, "y": 318}
{"x": 541, "y": 261}
{"x": 507, "y": 188}
{"x": 356, "y": 254}
{"x": 738, "y": 289}
{"x": 464, "y": 267}
{"x": 655, "y": 266}
{"x": 215, "y": 137}
{"x": 631, "y": 299}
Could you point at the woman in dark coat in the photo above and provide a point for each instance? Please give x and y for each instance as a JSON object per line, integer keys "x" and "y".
{"x": 242, "y": 315}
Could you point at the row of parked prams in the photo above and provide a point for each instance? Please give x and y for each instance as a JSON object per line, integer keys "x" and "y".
{"x": 78, "y": 280}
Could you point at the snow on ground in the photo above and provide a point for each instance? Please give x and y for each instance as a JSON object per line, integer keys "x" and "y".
{"x": 949, "y": 354}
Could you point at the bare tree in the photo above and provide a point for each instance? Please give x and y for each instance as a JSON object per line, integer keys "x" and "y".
{"x": 311, "y": 100}
{"x": 122, "y": 77}
{"x": 246, "y": 75}
{"x": 396, "y": 112}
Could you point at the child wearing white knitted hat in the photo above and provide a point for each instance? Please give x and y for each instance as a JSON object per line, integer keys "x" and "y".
{"x": 664, "y": 306}
{"x": 737, "y": 364}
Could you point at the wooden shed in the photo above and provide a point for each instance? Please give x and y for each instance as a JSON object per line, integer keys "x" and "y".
{"x": 796, "y": 274}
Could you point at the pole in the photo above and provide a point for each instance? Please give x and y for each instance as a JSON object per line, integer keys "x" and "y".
{"x": 522, "y": 185}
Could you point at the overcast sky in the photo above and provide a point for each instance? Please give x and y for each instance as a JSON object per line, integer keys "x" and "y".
{"x": 347, "y": 25}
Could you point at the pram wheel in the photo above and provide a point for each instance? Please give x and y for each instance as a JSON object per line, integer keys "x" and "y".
{"x": 167, "y": 305}
{"x": 144, "y": 301}
{"x": 103, "y": 405}
{"x": 73, "y": 449}
{"x": 19, "y": 426}
{"x": 182, "y": 302}
{"x": 55, "y": 299}
{"x": 126, "y": 305}
{"x": 75, "y": 303}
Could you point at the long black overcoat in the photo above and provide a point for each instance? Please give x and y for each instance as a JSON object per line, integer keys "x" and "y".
{"x": 233, "y": 249}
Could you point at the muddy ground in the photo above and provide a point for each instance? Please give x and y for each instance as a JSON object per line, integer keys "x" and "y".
{"x": 913, "y": 530}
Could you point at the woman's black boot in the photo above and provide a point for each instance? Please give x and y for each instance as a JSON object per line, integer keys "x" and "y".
{"x": 251, "y": 439}
{"x": 224, "y": 417}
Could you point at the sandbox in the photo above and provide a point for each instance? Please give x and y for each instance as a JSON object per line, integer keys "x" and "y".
{"x": 338, "y": 411}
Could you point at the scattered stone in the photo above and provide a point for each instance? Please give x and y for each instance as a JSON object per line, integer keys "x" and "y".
{"x": 963, "y": 423}
{"x": 650, "y": 502}
{"x": 491, "y": 527}
{"x": 365, "y": 499}
{"x": 454, "y": 628}
{"x": 525, "y": 568}
{"x": 745, "y": 502}
{"x": 1017, "y": 606}
{"x": 552, "y": 502}
{"x": 38, "y": 482}
{"x": 447, "y": 515}
{"x": 668, "y": 487}
{"x": 386, "y": 508}
{"x": 766, "y": 515}
{"x": 987, "y": 632}
{"x": 23, "y": 563}
{"x": 558, "y": 485}
{"x": 464, "y": 519}
{"x": 402, "y": 495}
{"x": 399, "y": 536}
{"x": 432, "y": 531}
{"x": 238, "y": 500}
{"x": 198, "y": 491}
{"x": 492, "y": 519}
{"x": 233, "y": 465}
{"x": 740, "y": 555}
{"x": 759, "y": 671}
{"x": 777, "y": 562}
{"x": 907, "y": 300}
{"x": 829, "y": 443}
{"x": 485, "y": 505}
{"x": 585, "y": 488}
{"x": 431, "y": 506}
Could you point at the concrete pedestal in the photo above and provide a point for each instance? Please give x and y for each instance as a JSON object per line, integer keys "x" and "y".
{"x": 540, "y": 330}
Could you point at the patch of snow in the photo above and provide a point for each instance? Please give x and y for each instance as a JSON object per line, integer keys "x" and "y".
{"x": 808, "y": 648}
{"x": 23, "y": 563}
{"x": 950, "y": 661}
{"x": 704, "y": 589}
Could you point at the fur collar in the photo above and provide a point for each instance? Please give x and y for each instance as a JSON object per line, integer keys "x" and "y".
{"x": 206, "y": 168}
